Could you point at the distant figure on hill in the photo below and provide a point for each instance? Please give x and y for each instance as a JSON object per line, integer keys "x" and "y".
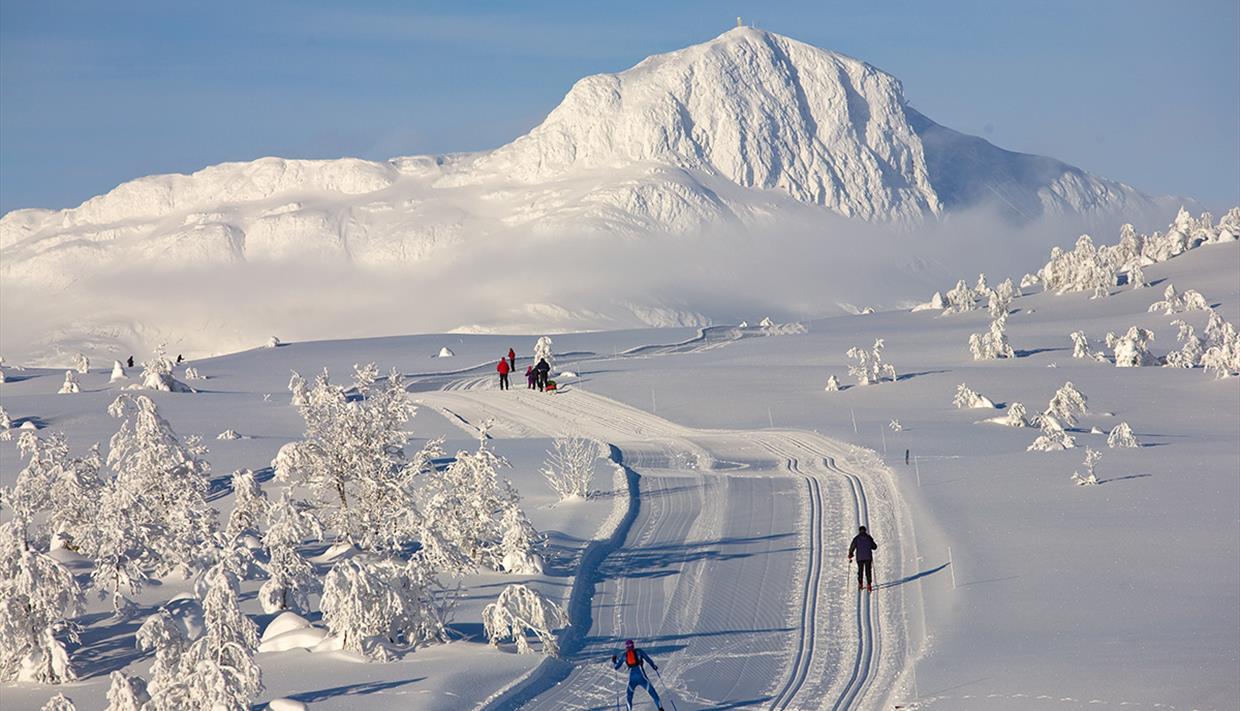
{"x": 503, "y": 374}
{"x": 542, "y": 369}
{"x": 512, "y": 360}
{"x": 129, "y": 362}
{"x": 863, "y": 545}
{"x": 179, "y": 358}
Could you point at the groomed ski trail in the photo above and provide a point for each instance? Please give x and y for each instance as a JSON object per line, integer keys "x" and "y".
{"x": 688, "y": 575}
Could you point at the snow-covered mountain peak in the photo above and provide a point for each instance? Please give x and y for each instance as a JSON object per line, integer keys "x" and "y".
{"x": 754, "y": 107}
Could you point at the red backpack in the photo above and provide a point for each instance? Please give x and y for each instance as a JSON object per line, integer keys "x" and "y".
{"x": 630, "y": 658}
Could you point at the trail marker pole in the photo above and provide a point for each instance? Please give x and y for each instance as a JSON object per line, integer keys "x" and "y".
{"x": 770, "y": 418}
{"x": 951, "y": 566}
{"x": 917, "y": 468}
{"x": 654, "y": 405}
{"x": 882, "y": 433}
{"x": 853, "y": 415}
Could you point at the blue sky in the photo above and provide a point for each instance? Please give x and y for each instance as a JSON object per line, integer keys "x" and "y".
{"x": 92, "y": 94}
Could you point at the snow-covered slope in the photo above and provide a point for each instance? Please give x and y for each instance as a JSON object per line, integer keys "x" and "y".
{"x": 746, "y": 132}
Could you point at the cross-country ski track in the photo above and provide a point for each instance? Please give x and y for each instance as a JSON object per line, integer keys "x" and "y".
{"x": 731, "y": 571}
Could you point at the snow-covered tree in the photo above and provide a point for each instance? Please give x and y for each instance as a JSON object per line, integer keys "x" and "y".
{"x": 1089, "y": 478}
{"x": 960, "y": 299}
{"x": 352, "y": 459}
{"x": 1190, "y": 352}
{"x": 520, "y": 611}
{"x": 1121, "y": 436}
{"x": 274, "y": 342}
{"x": 81, "y": 363}
{"x": 519, "y": 543}
{"x": 39, "y": 598}
{"x": 126, "y": 693}
{"x": 292, "y": 578}
{"x": 993, "y": 343}
{"x": 378, "y": 606}
{"x": 70, "y": 385}
{"x": 191, "y": 373}
{"x": 833, "y": 384}
{"x": 6, "y": 423}
{"x": 1133, "y": 348}
{"x": 569, "y": 469}
{"x": 157, "y": 374}
{"x": 999, "y": 300}
{"x": 542, "y": 351}
{"x": 1067, "y": 404}
{"x": 59, "y": 702}
{"x": 895, "y": 426}
{"x": 463, "y": 505}
{"x": 1053, "y": 437}
{"x": 967, "y": 398}
{"x": 249, "y": 506}
{"x": 870, "y": 367}
{"x": 219, "y": 668}
{"x": 118, "y": 372}
{"x": 1080, "y": 345}
{"x": 1222, "y": 354}
{"x": 1085, "y": 268}
{"x": 297, "y": 386}
{"x": 163, "y": 635}
{"x": 1015, "y": 416}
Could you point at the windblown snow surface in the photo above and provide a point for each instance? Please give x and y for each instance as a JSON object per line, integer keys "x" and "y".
{"x": 719, "y": 539}
{"x": 750, "y": 153}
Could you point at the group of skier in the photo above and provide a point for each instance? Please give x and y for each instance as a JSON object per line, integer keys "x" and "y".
{"x": 536, "y": 375}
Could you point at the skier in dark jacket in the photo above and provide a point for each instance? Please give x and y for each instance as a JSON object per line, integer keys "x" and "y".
{"x": 636, "y": 660}
{"x": 129, "y": 363}
{"x": 543, "y": 368}
{"x": 512, "y": 360}
{"x": 503, "y": 374}
{"x": 863, "y": 545}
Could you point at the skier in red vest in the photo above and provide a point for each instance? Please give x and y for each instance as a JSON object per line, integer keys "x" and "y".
{"x": 503, "y": 374}
{"x": 636, "y": 660}
{"x": 512, "y": 361}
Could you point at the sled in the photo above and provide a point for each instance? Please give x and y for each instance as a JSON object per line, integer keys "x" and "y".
{"x": 550, "y": 387}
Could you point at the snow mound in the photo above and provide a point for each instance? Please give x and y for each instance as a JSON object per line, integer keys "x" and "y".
{"x": 445, "y": 352}
{"x": 284, "y": 622}
{"x": 299, "y": 638}
{"x": 229, "y": 434}
{"x": 283, "y": 704}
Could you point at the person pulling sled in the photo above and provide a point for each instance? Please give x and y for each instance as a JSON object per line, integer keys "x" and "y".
{"x": 636, "y": 660}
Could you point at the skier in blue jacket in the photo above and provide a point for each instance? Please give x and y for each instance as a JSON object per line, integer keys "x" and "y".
{"x": 635, "y": 659}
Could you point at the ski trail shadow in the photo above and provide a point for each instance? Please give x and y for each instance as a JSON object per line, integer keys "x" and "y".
{"x": 359, "y": 689}
{"x": 910, "y": 578}
{"x": 1122, "y": 478}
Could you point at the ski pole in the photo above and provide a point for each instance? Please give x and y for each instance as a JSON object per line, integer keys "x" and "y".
{"x": 666, "y": 690}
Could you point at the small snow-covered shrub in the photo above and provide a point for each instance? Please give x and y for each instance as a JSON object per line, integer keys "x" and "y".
{"x": 157, "y": 375}
{"x": 1132, "y": 350}
{"x": 1190, "y": 352}
{"x": 81, "y": 363}
{"x": 118, "y": 372}
{"x": 520, "y": 611}
{"x": 967, "y": 398}
{"x": 870, "y": 367}
{"x": 960, "y": 299}
{"x": 519, "y": 544}
{"x": 249, "y": 506}
{"x": 1089, "y": 478}
{"x": 70, "y": 385}
{"x": 6, "y": 423}
{"x": 569, "y": 468}
{"x": 1121, "y": 436}
{"x": 191, "y": 373}
{"x": 1173, "y": 302}
{"x": 833, "y": 384}
{"x": 126, "y": 693}
{"x": 228, "y": 434}
{"x": 994, "y": 343}
{"x": 297, "y": 386}
{"x": 1014, "y": 417}
{"x": 936, "y": 303}
{"x": 1080, "y": 345}
{"x": 1053, "y": 437}
{"x": 59, "y": 702}
{"x": 274, "y": 342}
{"x": 895, "y": 426}
{"x": 378, "y": 606}
{"x": 1222, "y": 356}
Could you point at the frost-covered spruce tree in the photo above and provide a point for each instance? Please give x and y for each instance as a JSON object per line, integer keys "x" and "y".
{"x": 1053, "y": 437}
{"x": 220, "y": 668}
{"x": 352, "y": 459}
{"x": 1190, "y": 352}
{"x": 1089, "y": 478}
{"x": 520, "y": 611}
{"x": 462, "y": 505}
{"x": 1222, "y": 356}
{"x": 833, "y": 384}
{"x": 157, "y": 374}
{"x": 994, "y": 343}
{"x": 249, "y": 506}
{"x": 1121, "y": 436}
{"x": 1067, "y": 404}
{"x": 960, "y": 299}
{"x": 967, "y": 398}
{"x": 569, "y": 468}
{"x": 1132, "y": 350}
{"x": 377, "y": 606}
{"x": 6, "y": 423}
{"x": 542, "y": 351}
{"x": 519, "y": 543}
{"x": 291, "y": 577}
{"x": 126, "y": 693}
{"x": 1080, "y": 345}
{"x": 118, "y": 372}
{"x": 870, "y": 367}
{"x": 191, "y": 373}
{"x": 167, "y": 479}
{"x": 39, "y": 598}
{"x": 297, "y": 386}
{"x": 70, "y": 386}
{"x": 1015, "y": 416}
{"x": 162, "y": 634}
{"x": 81, "y": 363}
{"x": 59, "y": 702}
{"x": 999, "y": 301}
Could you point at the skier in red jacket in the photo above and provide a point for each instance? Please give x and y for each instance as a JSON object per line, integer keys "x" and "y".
{"x": 512, "y": 361}
{"x": 503, "y": 369}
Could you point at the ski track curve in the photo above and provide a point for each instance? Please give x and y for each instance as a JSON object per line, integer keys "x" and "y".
{"x": 813, "y": 673}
